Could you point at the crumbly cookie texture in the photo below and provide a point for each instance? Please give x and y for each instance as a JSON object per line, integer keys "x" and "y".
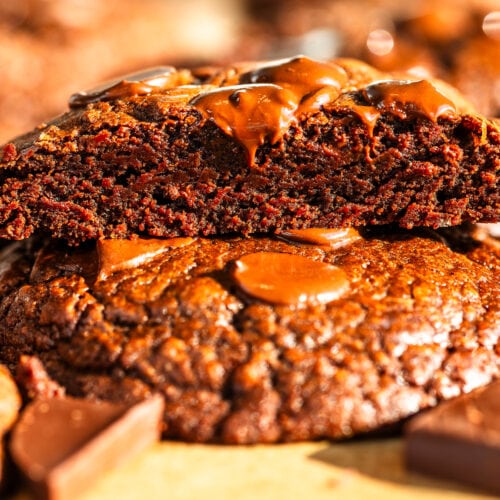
{"x": 403, "y": 320}
{"x": 252, "y": 148}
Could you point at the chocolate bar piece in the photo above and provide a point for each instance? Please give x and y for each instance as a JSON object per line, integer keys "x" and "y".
{"x": 459, "y": 440}
{"x": 62, "y": 444}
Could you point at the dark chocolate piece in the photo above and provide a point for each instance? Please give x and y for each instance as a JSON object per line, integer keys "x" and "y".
{"x": 459, "y": 439}
{"x": 61, "y": 445}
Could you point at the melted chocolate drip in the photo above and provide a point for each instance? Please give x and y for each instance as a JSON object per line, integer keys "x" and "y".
{"x": 141, "y": 83}
{"x": 252, "y": 114}
{"x": 424, "y": 97}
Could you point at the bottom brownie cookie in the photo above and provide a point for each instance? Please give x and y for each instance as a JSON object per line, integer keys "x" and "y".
{"x": 309, "y": 334}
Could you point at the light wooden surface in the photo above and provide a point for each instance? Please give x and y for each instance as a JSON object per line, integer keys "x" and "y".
{"x": 372, "y": 469}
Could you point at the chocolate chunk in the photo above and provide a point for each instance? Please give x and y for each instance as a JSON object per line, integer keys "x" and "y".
{"x": 62, "y": 444}
{"x": 460, "y": 439}
{"x": 282, "y": 278}
{"x": 425, "y": 97}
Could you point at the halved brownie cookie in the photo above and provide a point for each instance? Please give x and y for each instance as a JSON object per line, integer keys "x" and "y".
{"x": 252, "y": 148}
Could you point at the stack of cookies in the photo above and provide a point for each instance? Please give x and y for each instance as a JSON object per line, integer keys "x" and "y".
{"x": 285, "y": 250}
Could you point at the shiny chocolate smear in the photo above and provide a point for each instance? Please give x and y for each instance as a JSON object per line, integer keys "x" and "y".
{"x": 141, "y": 83}
{"x": 282, "y": 278}
{"x": 119, "y": 255}
{"x": 425, "y": 98}
{"x": 331, "y": 238}
{"x": 301, "y": 75}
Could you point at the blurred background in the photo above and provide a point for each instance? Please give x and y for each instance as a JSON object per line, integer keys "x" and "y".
{"x": 50, "y": 49}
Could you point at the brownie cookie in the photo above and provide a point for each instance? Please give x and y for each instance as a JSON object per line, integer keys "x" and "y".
{"x": 252, "y": 148}
{"x": 308, "y": 334}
